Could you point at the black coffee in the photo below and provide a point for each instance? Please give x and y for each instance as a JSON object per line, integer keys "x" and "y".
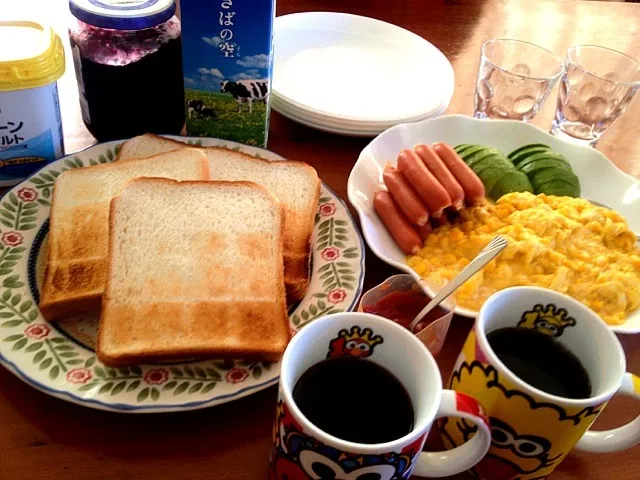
{"x": 355, "y": 400}
{"x": 541, "y": 361}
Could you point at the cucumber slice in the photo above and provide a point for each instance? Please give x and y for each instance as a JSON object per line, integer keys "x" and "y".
{"x": 560, "y": 188}
{"x": 543, "y": 163}
{"x": 523, "y": 148}
{"x": 542, "y": 156}
{"x": 512, "y": 182}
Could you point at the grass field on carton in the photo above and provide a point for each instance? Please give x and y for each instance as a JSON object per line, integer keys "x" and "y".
{"x": 244, "y": 127}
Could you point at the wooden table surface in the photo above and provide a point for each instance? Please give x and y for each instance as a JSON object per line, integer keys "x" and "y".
{"x": 45, "y": 438}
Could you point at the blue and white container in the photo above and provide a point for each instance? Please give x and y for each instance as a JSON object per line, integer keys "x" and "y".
{"x": 31, "y": 61}
{"x": 227, "y": 50}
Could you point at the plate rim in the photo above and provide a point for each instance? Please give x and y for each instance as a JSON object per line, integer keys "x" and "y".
{"x": 346, "y": 130}
{"x": 356, "y": 203}
{"x": 446, "y": 98}
{"x": 130, "y": 407}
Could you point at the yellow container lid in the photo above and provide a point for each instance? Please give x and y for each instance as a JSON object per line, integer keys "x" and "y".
{"x": 31, "y": 55}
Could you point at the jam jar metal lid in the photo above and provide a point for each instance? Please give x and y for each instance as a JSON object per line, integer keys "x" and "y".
{"x": 123, "y": 14}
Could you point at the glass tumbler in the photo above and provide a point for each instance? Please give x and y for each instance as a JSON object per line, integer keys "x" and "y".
{"x": 514, "y": 79}
{"x": 596, "y": 88}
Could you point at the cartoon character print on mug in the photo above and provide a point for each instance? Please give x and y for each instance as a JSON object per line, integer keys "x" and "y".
{"x": 355, "y": 343}
{"x": 296, "y": 456}
{"x": 529, "y": 438}
{"x": 549, "y": 320}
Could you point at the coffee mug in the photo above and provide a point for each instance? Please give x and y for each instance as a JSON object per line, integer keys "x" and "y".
{"x": 302, "y": 451}
{"x": 533, "y": 430}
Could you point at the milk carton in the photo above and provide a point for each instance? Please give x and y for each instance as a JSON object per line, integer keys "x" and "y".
{"x": 227, "y": 50}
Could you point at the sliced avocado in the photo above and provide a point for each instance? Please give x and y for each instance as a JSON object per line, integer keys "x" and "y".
{"x": 487, "y": 162}
{"x": 492, "y": 161}
{"x": 524, "y": 154}
{"x": 492, "y": 174}
{"x": 473, "y": 149}
{"x": 477, "y": 157}
{"x": 523, "y": 148}
{"x": 462, "y": 147}
{"x": 560, "y": 188}
{"x": 463, "y": 150}
{"x": 542, "y": 156}
{"x": 511, "y": 182}
{"x": 546, "y": 175}
{"x": 544, "y": 163}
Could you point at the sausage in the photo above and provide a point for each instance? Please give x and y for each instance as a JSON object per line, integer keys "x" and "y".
{"x": 436, "y": 166}
{"x": 396, "y": 223}
{"x": 425, "y": 230}
{"x": 470, "y": 182}
{"x": 405, "y": 197}
{"x": 426, "y": 185}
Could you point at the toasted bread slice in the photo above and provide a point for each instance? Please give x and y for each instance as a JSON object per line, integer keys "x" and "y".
{"x": 297, "y": 187}
{"x": 295, "y": 184}
{"x": 207, "y": 284}
{"x": 147, "y": 145}
{"x": 75, "y": 271}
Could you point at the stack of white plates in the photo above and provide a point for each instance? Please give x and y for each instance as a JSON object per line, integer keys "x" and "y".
{"x": 355, "y": 75}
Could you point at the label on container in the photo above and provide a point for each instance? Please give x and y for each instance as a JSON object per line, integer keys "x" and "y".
{"x": 124, "y": 5}
{"x": 30, "y": 132}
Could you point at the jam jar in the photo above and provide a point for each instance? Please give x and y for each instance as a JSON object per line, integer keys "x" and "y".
{"x": 128, "y": 62}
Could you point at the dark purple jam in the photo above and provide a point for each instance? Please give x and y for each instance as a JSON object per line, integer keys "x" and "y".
{"x": 130, "y": 81}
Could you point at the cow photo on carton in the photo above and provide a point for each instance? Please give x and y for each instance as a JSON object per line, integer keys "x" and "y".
{"x": 246, "y": 91}
{"x": 227, "y": 67}
{"x": 198, "y": 107}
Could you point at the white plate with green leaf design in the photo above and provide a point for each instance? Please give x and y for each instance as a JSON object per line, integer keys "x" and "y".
{"x": 60, "y": 360}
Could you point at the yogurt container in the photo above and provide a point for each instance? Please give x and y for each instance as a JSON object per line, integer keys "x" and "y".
{"x": 31, "y": 60}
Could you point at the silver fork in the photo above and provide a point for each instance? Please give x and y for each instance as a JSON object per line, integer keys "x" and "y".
{"x": 488, "y": 253}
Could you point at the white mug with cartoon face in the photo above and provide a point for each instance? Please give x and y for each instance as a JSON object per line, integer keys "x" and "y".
{"x": 302, "y": 451}
{"x": 533, "y": 430}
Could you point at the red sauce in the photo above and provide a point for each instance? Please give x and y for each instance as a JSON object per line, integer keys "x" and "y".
{"x": 402, "y": 307}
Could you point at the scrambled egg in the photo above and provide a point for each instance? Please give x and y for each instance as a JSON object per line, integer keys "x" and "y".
{"x": 562, "y": 243}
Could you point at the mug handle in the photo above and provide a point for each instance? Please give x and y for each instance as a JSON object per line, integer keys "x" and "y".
{"x": 620, "y": 438}
{"x": 459, "y": 459}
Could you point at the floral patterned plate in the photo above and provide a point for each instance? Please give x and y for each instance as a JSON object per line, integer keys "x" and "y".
{"x": 60, "y": 359}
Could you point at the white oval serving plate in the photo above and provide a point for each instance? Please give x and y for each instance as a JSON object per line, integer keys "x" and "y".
{"x": 600, "y": 179}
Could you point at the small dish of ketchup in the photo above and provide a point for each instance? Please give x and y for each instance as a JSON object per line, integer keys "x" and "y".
{"x": 399, "y": 298}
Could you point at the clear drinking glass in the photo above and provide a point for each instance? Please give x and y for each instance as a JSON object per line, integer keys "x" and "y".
{"x": 514, "y": 79}
{"x": 596, "y": 88}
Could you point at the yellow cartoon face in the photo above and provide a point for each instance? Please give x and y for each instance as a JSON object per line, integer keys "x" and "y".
{"x": 549, "y": 320}
{"x": 529, "y": 438}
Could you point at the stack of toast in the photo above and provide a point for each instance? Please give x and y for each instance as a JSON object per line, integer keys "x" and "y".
{"x": 186, "y": 252}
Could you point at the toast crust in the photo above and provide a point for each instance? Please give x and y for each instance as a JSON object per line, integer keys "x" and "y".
{"x": 207, "y": 315}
